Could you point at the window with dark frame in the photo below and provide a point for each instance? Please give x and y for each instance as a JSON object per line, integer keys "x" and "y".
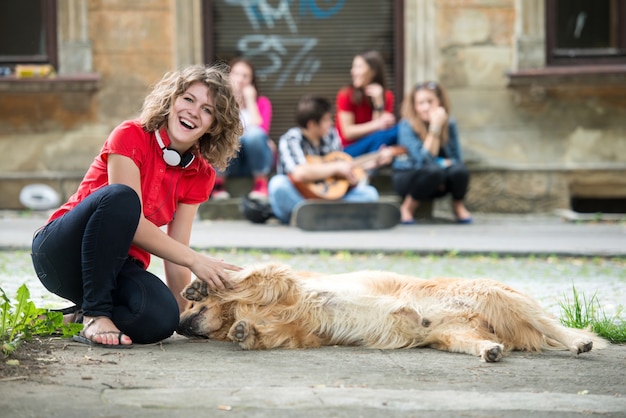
{"x": 28, "y": 32}
{"x": 585, "y": 32}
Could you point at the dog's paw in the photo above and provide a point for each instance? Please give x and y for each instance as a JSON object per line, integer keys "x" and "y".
{"x": 239, "y": 332}
{"x": 581, "y": 346}
{"x": 492, "y": 354}
{"x": 196, "y": 291}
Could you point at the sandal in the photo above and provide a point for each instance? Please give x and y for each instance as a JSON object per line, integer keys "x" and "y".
{"x": 82, "y": 337}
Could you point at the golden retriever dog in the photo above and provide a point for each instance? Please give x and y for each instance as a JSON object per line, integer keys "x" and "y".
{"x": 273, "y": 306}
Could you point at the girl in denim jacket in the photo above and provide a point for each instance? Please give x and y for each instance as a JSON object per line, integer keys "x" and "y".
{"x": 432, "y": 166}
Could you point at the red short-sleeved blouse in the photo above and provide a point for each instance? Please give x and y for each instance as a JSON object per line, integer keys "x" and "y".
{"x": 362, "y": 111}
{"x": 162, "y": 186}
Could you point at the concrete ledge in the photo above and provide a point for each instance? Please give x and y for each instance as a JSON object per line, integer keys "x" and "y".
{"x": 64, "y": 182}
{"x": 572, "y": 216}
{"x": 492, "y": 189}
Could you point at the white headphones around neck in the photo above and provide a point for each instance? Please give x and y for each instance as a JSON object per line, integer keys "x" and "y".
{"x": 173, "y": 157}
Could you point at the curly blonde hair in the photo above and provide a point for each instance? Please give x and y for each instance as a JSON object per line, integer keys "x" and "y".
{"x": 221, "y": 142}
{"x": 409, "y": 113}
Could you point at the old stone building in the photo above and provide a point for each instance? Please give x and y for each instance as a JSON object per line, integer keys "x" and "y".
{"x": 542, "y": 117}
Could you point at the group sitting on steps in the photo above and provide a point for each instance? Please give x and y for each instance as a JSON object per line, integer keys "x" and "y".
{"x": 326, "y": 166}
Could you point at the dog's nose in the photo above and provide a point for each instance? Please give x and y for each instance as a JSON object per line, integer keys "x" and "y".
{"x": 184, "y": 328}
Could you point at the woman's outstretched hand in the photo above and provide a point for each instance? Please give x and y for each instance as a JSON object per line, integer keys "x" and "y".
{"x": 214, "y": 272}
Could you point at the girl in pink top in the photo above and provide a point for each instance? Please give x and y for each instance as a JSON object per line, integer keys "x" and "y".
{"x": 256, "y": 156}
{"x": 151, "y": 173}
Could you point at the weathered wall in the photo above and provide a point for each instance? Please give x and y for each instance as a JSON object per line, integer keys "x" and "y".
{"x": 527, "y": 137}
{"x": 133, "y": 46}
{"x": 58, "y": 128}
{"x": 532, "y": 141}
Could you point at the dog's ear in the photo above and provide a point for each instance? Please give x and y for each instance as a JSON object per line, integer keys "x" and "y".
{"x": 264, "y": 283}
{"x": 261, "y": 272}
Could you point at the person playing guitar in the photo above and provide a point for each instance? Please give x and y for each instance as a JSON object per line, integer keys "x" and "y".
{"x": 311, "y": 163}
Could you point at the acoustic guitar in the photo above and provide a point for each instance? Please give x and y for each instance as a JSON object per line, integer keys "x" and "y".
{"x": 334, "y": 188}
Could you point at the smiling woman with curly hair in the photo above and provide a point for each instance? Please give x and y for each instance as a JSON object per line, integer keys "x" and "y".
{"x": 151, "y": 172}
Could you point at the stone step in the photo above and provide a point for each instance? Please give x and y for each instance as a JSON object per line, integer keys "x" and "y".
{"x": 238, "y": 187}
{"x": 229, "y": 208}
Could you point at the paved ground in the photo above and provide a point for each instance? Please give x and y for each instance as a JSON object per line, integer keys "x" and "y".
{"x": 182, "y": 377}
{"x": 498, "y": 234}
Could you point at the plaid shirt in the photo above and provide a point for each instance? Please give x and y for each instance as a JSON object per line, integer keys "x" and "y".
{"x": 293, "y": 147}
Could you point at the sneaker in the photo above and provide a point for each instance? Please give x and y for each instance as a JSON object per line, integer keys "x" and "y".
{"x": 259, "y": 191}
{"x": 219, "y": 192}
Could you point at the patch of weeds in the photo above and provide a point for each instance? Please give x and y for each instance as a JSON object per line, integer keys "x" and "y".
{"x": 22, "y": 320}
{"x": 552, "y": 259}
{"x": 452, "y": 253}
{"x": 343, "y": 255}
{"x": 411, "y": 255}
{"x": 582, "y": 312}
{"x": 613, "y": 329}
{"x": 252, "y": 253}
{"x": 280, "y": 254}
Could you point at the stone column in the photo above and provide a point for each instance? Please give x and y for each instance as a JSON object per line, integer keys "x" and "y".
{"x": 421, "y": 53}
{"x": 531, "y": 35}
{"x": 188, "y": 32}
{"x": 75, "y": 54}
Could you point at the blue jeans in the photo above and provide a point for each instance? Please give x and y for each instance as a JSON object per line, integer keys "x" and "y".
{"x": 83, "y": 257}
{"x": 255, "y": 156}
{"x": 284, "y": 196}
{"x": 373, "y": 142}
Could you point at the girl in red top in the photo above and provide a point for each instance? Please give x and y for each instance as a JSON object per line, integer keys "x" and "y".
{"x": 365, "y": 119}
{"x": 151, "y": 172}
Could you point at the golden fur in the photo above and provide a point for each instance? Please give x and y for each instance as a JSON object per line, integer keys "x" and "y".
{"x": 273, "y": 306}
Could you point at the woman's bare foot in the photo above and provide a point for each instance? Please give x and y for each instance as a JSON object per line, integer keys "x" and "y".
{"x": 407, "y": 209}
{"x": 406, "y": 217}
{"x": 460, "y": 211}
{"x": 101, "y": 330}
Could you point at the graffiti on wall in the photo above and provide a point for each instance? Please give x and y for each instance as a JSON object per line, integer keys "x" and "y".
{"x": 289, "y": 57}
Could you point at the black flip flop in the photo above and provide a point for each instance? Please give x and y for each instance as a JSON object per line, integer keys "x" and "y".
{"x": 80, "y": 338}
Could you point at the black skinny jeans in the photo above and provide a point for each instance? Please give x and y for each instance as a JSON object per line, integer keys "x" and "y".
{"x": 425, "y": 183}
{"x": 83, "y": 257}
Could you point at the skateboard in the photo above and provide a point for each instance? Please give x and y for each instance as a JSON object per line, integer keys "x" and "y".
{"x": 325, "y": 215}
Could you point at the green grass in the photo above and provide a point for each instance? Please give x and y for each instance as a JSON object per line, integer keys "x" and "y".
{"x": 582, "y": 312}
